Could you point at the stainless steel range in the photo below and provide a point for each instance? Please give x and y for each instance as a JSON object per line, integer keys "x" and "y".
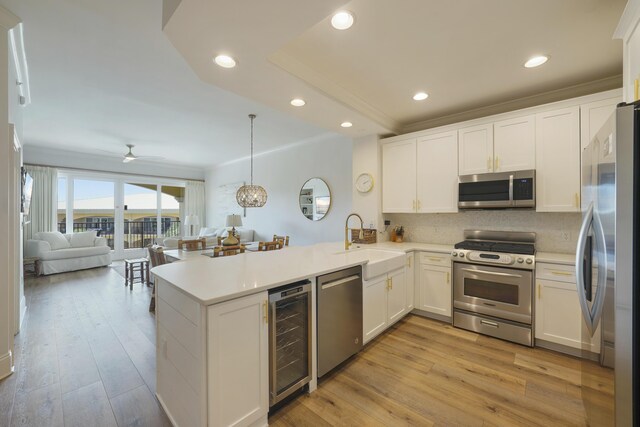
{"x": 493, "y": 273}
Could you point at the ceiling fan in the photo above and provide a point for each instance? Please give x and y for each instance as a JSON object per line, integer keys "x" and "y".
{"x": 129, "y": 157}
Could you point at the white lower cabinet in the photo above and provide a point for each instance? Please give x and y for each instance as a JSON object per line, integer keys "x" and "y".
{"x": 410, "y": 278}
{"x": 384, "y": 300}
{"x": 434, "y": 284}
{"x": 238, "y": 356}
{"x": 558, "y": 315}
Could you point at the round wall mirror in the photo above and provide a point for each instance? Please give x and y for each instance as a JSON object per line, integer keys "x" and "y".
{"x": 315, "y": 199}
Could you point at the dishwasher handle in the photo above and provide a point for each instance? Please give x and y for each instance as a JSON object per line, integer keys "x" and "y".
{"x": 339, "y": 282}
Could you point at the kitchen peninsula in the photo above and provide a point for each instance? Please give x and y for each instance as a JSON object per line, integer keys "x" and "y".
{"x": 212, "y": 319}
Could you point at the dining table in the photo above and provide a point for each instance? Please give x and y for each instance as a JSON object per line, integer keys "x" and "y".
{"x": 173, "y": 255}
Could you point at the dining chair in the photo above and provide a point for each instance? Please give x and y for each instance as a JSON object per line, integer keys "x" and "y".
{"x": 156, "y": 257}
{"x": 192, "y": 245}
{"x": 222, "y": 251}
{"x": 284, "y": 240}
{"x": 270, "y": 246}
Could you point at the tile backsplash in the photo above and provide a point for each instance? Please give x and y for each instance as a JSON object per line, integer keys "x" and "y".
{"x": 555, "y": 232}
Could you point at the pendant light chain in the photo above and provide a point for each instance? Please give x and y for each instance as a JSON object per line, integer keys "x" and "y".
{"x": 251, "y": 196}
{"x": 252, "y": 116}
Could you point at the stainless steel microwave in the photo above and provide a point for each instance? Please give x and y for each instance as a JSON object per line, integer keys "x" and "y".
{"x": 497, "y": 190}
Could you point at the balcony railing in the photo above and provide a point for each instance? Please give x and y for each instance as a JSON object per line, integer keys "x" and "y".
{"x": 137, "y": 234}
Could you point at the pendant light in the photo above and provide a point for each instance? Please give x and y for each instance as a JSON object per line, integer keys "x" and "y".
{"x": 251, "y": 196}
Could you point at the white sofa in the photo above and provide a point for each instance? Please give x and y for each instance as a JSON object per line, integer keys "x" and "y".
{"x": 59, "y": 252}
{"x": 211, "y": 234}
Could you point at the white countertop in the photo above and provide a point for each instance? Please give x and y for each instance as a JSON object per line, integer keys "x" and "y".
{"x": 213, "y": 280}
{"x": 554, "y": 258}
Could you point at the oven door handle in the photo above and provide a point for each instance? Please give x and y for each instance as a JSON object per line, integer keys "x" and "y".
{"x": 471, "y": 270}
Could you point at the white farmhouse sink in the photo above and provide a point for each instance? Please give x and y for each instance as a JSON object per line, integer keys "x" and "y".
{"x": 380, "y": 261}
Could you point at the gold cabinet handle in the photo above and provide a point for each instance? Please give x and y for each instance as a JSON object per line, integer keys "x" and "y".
{"x": 391, "y": 281}
{"x": 489, "y": 163}
{"x": 414, "y": 205}
{"x": 561, "y": 273}
{"x": 409, "y": 262}
{"x": 539, "y": 290}
{"x": 497, "y": 164}
{"x": 577, "y": 200}
{"x": 388, "y": 283}
{"x": 419, "y": 204}
{"x": 265, "y": 316}
{"x": 448, "y": 277}
{"x": 434, "y": 259}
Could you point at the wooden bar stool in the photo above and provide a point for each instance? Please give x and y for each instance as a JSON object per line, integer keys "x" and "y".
{"x": 133, "y": 266}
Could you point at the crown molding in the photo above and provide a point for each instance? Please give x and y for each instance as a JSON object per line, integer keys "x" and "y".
{"x": 7, "y": 19}
{"x": 600, "y": 85}
{"x": 16, "y": 43}
{"x": 332, "y": 90}
{"x": 628, "y": 21}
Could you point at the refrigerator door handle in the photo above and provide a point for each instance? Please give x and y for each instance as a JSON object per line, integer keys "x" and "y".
{"x": 582, "y": 241}
{"x": 598, "y": 304}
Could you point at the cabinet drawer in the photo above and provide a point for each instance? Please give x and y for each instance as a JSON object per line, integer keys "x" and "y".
{"x": 435, "y": 258}
{"x": 557, "y": 272}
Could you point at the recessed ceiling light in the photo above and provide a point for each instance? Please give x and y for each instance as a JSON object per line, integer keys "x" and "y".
{"x": 346, "y": 124}
{"x": 342, "y": 20}
{"x": 297, "y": 102}
{"x": 225, "y": 61}
{"x": 420, "y": 96}
{"x": 536, "y": 61}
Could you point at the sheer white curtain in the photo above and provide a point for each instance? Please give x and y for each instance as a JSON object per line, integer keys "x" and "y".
{"x": 44, "y": 200}
{"x": 194, "y": 203}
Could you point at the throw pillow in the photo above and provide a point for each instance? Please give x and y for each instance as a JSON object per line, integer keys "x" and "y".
{"x": 84, "y": 239}
{"x": 55, "y": 239}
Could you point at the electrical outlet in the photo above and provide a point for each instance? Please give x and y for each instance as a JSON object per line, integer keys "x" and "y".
{"x": 566, "y": 236}
{"x": 387, "y": 222}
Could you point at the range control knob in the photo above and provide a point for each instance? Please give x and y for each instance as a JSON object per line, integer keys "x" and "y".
{"x": 454, "y": 254}
{"x": 520, "y": 260}
{"x": 529, "y": 261}
{"x": 461, "y": 254}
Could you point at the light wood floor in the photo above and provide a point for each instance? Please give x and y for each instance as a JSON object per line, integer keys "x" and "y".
{"x": 86, "y": 357}
{"x": 424, "y": 372}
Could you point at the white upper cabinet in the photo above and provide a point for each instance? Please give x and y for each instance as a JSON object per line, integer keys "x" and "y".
{"x": 514, "y": 144}
{"x": 558, "y": 160}
{"x": 475, "y": 149}
{"x": 593, "y": 116}
{"x": 437, "y": 171}
{"x": 399, "y": 176}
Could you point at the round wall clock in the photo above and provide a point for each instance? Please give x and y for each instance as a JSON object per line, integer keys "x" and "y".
{"x": 364, "y": 182}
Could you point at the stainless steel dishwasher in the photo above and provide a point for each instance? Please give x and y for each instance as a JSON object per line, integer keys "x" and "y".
{"x": 339, "y": 304}
{"x": 289, "y": 339}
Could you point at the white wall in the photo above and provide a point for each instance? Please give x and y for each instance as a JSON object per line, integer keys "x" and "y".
{"x": 68, "y": 159}
{"x": 367, "y": 159}
{"x": 282, "y": 173}
{"x": 8, "y": 206}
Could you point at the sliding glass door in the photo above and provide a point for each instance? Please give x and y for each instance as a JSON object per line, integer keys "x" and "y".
{"x": 94, "y": 208}
{"x": 130, "y": 214}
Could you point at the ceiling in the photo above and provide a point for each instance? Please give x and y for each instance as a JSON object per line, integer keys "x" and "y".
{"x": 467, "y": 54}
{"x": 104, "y": 74}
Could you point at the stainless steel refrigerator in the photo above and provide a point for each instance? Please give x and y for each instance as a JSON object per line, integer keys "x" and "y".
{"x": 606, "y": 263}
